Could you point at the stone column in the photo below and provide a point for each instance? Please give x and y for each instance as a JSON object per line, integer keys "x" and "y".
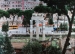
{"x": 43, "y": 29}
{"x": 37, "y": 29}
{"x": 60, "y": 41}
{"x": 31, "y": 30}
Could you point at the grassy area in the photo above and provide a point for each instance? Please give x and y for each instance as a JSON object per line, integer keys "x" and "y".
{"x": 20, "y": 40}
{"x": 25, "y": 39}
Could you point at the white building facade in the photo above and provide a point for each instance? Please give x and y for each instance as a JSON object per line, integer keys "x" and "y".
{"x": 20, "y": 4}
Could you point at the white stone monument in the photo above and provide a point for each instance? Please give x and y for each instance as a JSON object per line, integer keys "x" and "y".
{"x": 37, "y": 17}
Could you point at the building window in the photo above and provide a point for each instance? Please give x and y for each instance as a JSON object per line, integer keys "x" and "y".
{"x": 7, "y": 5}
{"x": 5, "y": 0}
{"x": 33, "y": 0}
{"x": 5, "y": 8}
{"x": 8, "y": 8}
{"x": 4, "y": 5}
{"x": 12, "y": 2}
{"x": 16, "y": 5}
{"x": 19, "y": 1}
{"x": 31, "y": 8}
{"x": 13, "y": 5}
{"x": 16, "y": 1}
{"x": 25, "y": 0}
{"x": 19, "y": 5}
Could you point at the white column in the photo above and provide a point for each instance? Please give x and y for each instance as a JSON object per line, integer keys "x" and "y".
{"x": 43, "y": 29}
{"x": 31, "y": 29}
{"x": 37, "y": 29}
{"x": 60, "y": 40}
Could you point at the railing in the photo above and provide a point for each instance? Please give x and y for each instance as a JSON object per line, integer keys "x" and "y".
{"x": 46, "y": 33}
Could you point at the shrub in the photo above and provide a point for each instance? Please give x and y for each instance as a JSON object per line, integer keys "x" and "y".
{"x": 32, "y": 48}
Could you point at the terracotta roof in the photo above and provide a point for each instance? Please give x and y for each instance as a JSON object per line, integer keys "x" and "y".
{"x": 18, "y": 45}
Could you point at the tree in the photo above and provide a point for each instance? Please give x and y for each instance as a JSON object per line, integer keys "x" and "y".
{"x": 13, "y": 12}
{"x": 28, "y": 15}
{"x": 6, "y": 14}
{"x": 2, "y": 13}
{"x": 66, "y": 5}
{"x": 1, "y": 44}
{"x": 63, "y": 26}
{"x": 41, "y": 9}
{"x": 60, "y": 26}
{"x": 7, "y": 46}
{"x": 20, "y": 13}
{"x": 32, "y": 48}
{"x": 53, "y": 50}
{"x": 74, "y": 21}
{"x": 44, "y": 9}
{"x": 50, "y": 21}
{"x": 24, "y": 22}
{"x": 5, "y": 27}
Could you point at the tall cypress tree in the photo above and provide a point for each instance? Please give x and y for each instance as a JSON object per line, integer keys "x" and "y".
{"x": 1, "y": 44}
{"x": 8, "y": 49}
{"x": 7, "y": 46}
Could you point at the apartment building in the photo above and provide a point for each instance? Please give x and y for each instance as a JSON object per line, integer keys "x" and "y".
{"x": 20, "y": 4}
